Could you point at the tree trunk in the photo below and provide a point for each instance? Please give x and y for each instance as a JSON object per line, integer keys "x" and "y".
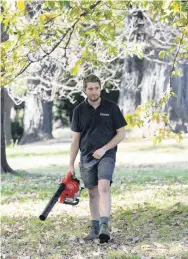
{"x": 8, "y": 104}
{"x": 144, "y": 80}
{"x": 37, "y": 120}
{"x": 178, "y": 107}
{"x": 5, "y": 168}
{"x": 4, "y": 164}
{"x": 130, "y": 93}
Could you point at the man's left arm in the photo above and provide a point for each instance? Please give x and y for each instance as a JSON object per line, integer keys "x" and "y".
{"x": 111, "y": 144}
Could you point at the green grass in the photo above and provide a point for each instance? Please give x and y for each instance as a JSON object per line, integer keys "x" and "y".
{"x": 184, "y": 255}
{"x": 163, "y": 148}
{"x": 121, "y": 255}
{"x": 14, "y": 153}
{"x": 42, "y": 183}
{"x": 145, "y": 174}
{"x": 149, "y": 215}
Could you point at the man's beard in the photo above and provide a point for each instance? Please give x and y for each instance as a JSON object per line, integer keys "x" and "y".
{"x": 94, "y": 99}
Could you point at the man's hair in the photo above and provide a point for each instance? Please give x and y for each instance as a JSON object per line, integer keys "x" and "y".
{"x": 91, "y": 78}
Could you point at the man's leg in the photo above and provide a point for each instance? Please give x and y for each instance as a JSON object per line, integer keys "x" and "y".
{"x": 89, "y": 177}
{"x": 105, "y": 198}
{"x": 104, "y": 209}
{"x": 105, "y": 172}
{"x": 94, "y": 213}
{"x": 94, "y": 203}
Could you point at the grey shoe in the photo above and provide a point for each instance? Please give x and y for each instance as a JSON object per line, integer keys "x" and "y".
{"x": 104, "y": 233}
{"x": 93, "y": 234}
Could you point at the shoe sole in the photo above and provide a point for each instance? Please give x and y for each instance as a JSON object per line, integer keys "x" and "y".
{"x": 104, "y": 238}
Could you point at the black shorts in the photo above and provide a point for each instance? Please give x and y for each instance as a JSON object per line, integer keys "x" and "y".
{"x": 96, "y": 170}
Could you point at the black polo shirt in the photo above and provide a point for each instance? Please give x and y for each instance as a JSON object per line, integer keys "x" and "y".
{"x": 96, "y": 126}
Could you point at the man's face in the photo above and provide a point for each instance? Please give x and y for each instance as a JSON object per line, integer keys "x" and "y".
{"x": 93, "y": 91}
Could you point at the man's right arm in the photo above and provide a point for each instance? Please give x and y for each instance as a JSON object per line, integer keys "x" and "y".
{"x": 74, "y": 150}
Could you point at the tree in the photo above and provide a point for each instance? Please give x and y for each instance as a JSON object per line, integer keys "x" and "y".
{"x": 8, "y": 105}
{"x": 38, "y": 110}
{"x": 148, "y": 77}
{"x": 4, "y": 165}
{"x": 87, "y": 21}
{"x": 37, "y": 120}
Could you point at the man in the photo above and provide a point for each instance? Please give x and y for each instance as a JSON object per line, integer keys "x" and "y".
{"x": 98, "y": 126}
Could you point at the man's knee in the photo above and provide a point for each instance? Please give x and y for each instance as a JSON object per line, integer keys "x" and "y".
{"x": 93, "y": 192}
{"x": 104, "y": 186}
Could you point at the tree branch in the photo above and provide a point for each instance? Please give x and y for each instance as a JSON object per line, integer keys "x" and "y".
{"x": 178, "y": 49}
{"x": 174, "y": 61}
{"x": 92, "y": 7}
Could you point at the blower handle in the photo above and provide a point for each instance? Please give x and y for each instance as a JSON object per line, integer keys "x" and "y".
{"x": 67, "y": 179}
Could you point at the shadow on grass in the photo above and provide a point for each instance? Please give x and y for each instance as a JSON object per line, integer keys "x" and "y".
{"x": 43, "y": 182}
{"x": 36, "y": 172}
{"x": 151, "y": 170}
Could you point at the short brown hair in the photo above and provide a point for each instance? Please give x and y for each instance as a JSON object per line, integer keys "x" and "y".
{"x": 91, "y": 78}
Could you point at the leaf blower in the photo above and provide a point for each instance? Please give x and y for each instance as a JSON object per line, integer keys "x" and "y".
{"x": 67, "y": 193}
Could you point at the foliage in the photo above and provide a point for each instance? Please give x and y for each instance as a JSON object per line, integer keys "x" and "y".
{"x": 151, "y": 112}
{"x": 33, "y": 38}
{"x": 70, "y": 31}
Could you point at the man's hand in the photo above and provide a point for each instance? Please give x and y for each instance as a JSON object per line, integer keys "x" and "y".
{"x": 71, "y": 170}
{"x": 99, "y": 153}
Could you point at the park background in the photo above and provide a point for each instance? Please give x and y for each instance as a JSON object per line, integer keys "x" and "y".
{"x": 139, "y": 50}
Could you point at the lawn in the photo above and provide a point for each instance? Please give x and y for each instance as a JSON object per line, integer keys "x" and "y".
{"x": 149, "y": 216}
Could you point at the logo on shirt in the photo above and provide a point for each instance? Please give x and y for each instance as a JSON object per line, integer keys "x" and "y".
{"x": 104, "y": 114}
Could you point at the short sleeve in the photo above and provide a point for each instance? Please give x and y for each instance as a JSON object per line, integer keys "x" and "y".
{"x": 75, "y": 126}
{"x": 118, "y": 118}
